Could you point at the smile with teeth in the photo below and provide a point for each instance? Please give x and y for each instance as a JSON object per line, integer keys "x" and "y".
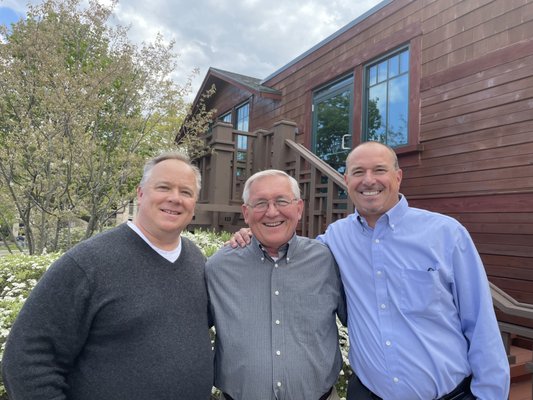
{"x": 272, "y": 224}
{"x": 370, "y": 193}
{"x": 170, "y": 212}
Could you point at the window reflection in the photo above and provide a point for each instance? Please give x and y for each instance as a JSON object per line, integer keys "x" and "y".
{"x": 387, "y": 100}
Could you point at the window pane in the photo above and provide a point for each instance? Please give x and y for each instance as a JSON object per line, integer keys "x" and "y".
{"x": 404, "y": 62}
{"x": 394, "y": 66}
{"x": 372, "y": 75}
{"x": 382, "y": 71}
{"x": 332, "y": 131}
{"x": 242, "y": 142}
{"x": 241, "y": 156}
{"x": 397, "y": 118}
{"x": 243, "y": 117}
{"x": 226, "y": 118}
{"x": 377, "y": 112}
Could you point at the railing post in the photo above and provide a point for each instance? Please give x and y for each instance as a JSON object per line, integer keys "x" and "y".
{"x": 280, "y": 152}
{"x": 260, "y": 159}
{"x": 219, "y": 189}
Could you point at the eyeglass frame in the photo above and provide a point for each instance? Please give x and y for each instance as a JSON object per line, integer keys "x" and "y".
{"x": 267, "y": 203}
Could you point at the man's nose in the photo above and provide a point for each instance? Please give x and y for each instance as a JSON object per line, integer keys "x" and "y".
{"x": 175, "y": 196}
{"x": 369, "y": 178}
{"x": 272, "y": 209}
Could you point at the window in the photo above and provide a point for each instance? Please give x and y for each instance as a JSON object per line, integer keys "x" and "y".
{"x": 242, "y": 123}
{"x": 332, "y": 122}
{"x": 243, "y": 117}
{"x": 386, "y": 99}
{"x": 226, "y": 117}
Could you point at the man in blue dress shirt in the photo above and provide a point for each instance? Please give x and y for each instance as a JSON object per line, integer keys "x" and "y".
{"x": 420, "y": 315}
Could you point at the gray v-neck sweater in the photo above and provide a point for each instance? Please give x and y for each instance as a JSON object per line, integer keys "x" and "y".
{"x": 113, "y": 320}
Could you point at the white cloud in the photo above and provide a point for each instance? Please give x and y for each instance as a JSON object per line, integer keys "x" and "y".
{"x": 249, "y": 37}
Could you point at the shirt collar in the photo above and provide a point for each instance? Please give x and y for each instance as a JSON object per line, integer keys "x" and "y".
{"x": 286, "y": 251}
{"x": 392, "y": 217}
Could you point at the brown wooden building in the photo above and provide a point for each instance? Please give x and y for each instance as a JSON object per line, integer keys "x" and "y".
{"x": 447, "y": 83}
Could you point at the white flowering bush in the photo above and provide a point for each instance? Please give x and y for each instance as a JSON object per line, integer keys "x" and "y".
{"x": 208, "y": 241}
{"x": 18, "y": 276}
{"x": 20, "y": 273}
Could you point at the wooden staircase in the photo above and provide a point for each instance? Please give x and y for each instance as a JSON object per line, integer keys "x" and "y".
{"x": 521, "y": 374}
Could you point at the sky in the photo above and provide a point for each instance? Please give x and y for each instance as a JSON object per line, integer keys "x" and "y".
{"x": 248, "y": 37}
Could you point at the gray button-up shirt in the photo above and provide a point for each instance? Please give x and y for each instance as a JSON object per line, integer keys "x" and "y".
{"x": 275, "y": 321}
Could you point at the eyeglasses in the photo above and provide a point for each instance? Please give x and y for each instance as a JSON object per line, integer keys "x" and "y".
{"x": 262, "y": 205}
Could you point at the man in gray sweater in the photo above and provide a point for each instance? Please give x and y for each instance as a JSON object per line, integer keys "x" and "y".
{"x": 123, "y": 315}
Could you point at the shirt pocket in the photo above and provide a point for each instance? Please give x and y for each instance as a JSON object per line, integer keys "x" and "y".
{"x": 312, "y": 316}
{"x": 420, "y": 292}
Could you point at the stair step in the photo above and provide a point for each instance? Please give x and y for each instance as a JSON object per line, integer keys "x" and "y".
{"x": 520, "y": 369}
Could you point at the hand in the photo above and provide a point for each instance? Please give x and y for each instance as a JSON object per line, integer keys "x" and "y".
{"x": 241, "y": 238}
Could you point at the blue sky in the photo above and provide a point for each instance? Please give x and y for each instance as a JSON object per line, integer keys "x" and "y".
{"x": 8, "y": 16}
{"x": 249, "y": 37}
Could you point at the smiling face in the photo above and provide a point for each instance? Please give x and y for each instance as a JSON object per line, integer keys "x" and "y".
{"x": 373, "y": 180}
{"x": 166, "y": 203}
{"x": 274, "y": 226}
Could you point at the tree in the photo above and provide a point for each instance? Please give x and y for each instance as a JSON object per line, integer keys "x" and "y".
{"x": 81, "y": 108}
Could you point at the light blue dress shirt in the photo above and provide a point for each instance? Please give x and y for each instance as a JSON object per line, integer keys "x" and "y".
{"x": 420, "y": 313}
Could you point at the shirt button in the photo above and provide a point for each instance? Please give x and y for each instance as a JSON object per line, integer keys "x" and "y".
{"x": 379, "y": 273}
{"x": 276, "y": 265}
{"x": 383, "y": 306}
{"x": 377, "y": 240}
{"x": 278, "y": 384}
{"x": 388, "y": 343}
{"x": 277, "y": 322}
{"x": 278, "y": 353}
{"x": 276, "y": 293}
{"x": 395, "y": 380}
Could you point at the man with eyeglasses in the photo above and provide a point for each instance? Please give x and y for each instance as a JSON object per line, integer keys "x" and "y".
{"x": 274, "y": 303}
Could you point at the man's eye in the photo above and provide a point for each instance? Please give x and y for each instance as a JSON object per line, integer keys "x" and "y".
{"x": 282, "y": 202}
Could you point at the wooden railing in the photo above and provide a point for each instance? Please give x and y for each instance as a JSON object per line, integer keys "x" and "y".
{"x": 323, "y": 190}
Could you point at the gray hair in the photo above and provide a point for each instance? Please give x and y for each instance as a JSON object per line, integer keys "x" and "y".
{"x": 170, "y": 155}
{"x": 269, "y": 172}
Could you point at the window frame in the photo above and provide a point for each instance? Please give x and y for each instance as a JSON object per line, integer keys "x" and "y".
{"x": 365, "y": 88}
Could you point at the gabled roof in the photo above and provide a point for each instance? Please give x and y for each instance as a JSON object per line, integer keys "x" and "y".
{"x": 247, "y": 83}
{"x": 243, "y": 82}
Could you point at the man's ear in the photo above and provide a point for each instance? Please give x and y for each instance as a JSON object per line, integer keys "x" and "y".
{"x": 140, "y": 194}
{"x": 245, "y": 211}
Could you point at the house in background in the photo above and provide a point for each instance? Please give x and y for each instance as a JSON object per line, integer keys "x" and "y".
{"x": 448, "y": 84}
